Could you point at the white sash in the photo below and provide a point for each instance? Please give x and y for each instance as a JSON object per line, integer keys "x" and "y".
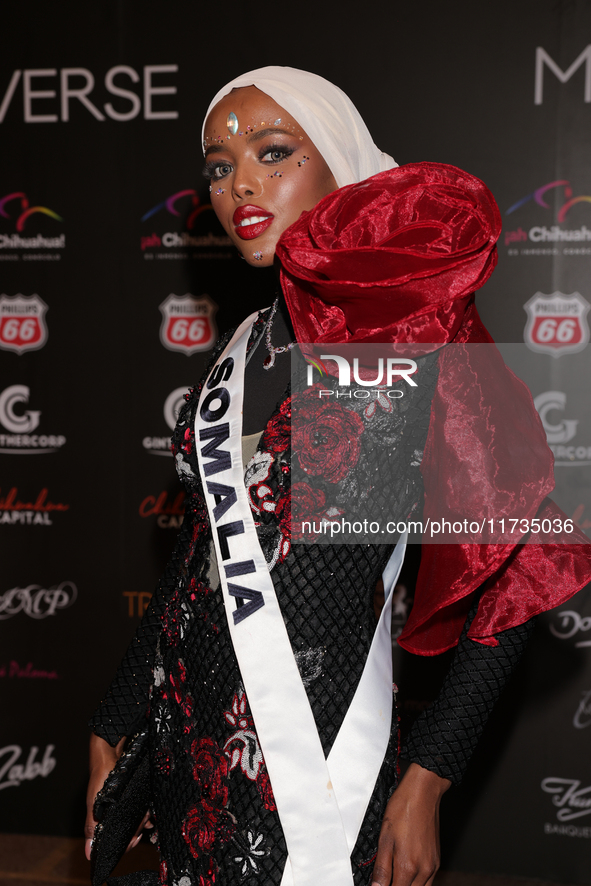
{"x": 321, "y": 803}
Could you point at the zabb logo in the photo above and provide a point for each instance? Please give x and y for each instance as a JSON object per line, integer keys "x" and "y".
{"x": 187, "y": 323}
{"x": 21, "y": 423}
{"x": 13, "y": 773}
{"x": 172, "y": 406}
{"x": 557, "y": 323}
{"x": 22, "y": 323}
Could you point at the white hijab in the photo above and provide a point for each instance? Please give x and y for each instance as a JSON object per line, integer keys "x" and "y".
{"x": 327, "y": 115}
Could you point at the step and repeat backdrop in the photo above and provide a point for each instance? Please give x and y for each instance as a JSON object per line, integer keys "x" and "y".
{"x": 116, "y": 280}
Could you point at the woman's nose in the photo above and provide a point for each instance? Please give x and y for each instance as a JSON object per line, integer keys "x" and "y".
{"x": 247, "y": 182}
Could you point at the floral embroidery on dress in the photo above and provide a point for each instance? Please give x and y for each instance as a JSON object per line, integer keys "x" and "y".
{"x": 250, "y": 852}
{"x": 243, "y": 748}
{"x": 208, "y": 821}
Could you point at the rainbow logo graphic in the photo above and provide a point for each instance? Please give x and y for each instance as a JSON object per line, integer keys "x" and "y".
{"x": 25, "y": 209}
{"x": 538, "y": 197}
{"x": 170, "y": 205}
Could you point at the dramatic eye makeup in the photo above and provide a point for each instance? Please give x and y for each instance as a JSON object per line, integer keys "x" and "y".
{"x": 270, "y": 155}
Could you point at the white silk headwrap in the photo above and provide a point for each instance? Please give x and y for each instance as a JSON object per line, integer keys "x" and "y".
{"x": 326, "y": 114}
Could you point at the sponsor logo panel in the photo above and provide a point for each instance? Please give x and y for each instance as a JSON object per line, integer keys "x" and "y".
{"x": 180, "y": 227}
{"x": 22, "y": 423}
{"x": 37, "y": 602}
{"x": 562, "y": 233}
{"x": 557, "y": 323}
{"x": 39, "y": 512}
{"x": 18, "y": 765}
{"x": 168, "y": 509}
{"x": 571, "y": 800}
{"x": 157, "y": 445}
{"x": 561, "y": 431}
{"x": 22, "y": 323}
{"x": 570, "y": 624}
{"x": 20, "y": 238}
{"x": 12, "y": 670}
{"x": 188, "y": 323}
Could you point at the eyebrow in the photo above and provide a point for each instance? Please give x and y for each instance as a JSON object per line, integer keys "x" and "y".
{"x": 251, "y": 137}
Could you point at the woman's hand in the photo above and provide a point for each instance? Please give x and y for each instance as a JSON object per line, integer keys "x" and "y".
{"x": 408, "y": 848}
{"x": 102, "y": 759}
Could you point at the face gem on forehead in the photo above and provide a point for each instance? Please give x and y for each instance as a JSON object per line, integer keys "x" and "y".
{"x": 232, "y": 123}
{"x": 277, "y": 122}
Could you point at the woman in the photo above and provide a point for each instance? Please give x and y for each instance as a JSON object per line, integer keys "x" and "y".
{"x": 266, "y": 682}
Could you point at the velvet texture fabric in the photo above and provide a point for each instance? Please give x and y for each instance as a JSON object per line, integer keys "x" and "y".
{"x": 397, "y": 259}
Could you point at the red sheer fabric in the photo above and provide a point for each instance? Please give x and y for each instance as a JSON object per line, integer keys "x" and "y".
{"x": 397, "y": 258}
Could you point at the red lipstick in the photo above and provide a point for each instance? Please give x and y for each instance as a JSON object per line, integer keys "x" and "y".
{"x": 250, "y": 221}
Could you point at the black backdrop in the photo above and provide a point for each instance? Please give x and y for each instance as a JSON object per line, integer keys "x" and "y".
{"x": 115, "y": 279}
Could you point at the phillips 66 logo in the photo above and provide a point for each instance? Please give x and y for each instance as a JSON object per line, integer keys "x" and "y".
{"x": 187, "y": 323}
{"x": 22, "y": 323}
{"x": 557, "y": 323}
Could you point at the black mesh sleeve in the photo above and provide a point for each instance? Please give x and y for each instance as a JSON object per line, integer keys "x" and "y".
{"x": 444, "y": 736}
{"x": 126, "y": 702}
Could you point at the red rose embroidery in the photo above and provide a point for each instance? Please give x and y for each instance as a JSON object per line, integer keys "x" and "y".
{"x": 266, "y": 791}
{"x": 211, "y": 769}
{"x": 301, "y": 503}
{"x": 277, "y": 433}
{"x": 200, "y": 828}
{"x": 325, "y": 436}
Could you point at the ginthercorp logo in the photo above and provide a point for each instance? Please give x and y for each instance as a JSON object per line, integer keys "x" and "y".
{"x": 181, "y": 210}
{"x": 571, "y": 799}
{"x": 375, "y": 382}
{"x": 548, "y": 235}
{"x": 188, "y": 323}
{"x": 172, "y": 406}
{"x": 556, "y": 324}
{"x": 22, "y": 323}
{"x": 18, "y": 240}
{"x": 21, "y": 423}
{"x": 48, "y": 95}
{"x": 560, "y": 431}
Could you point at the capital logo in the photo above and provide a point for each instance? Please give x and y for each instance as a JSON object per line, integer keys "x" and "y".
{"x": 557, "y": 323}
{"x": 22, "y": 323}
{"x": 15, "y": 511}
{"x": 555, "y": 401}
{"x": 36, "y": 601}
{"x": 570, "y": 799}
{"x": 21, "y": 422}
{"x": 187, "y": 323}
{"x": 21, "y": 210}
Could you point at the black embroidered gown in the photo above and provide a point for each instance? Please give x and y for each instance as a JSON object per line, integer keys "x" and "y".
{"x": 213, "y": 802}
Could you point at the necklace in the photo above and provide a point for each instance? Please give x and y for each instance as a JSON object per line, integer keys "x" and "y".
{"x": 269, "y": 361}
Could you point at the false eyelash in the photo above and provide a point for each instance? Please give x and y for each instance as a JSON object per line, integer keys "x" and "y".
{"x": 210, "y": 167}
{"x": 283, "y": 149}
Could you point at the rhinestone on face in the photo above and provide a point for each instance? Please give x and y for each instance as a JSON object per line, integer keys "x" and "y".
{"x": 232, "y": 123}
